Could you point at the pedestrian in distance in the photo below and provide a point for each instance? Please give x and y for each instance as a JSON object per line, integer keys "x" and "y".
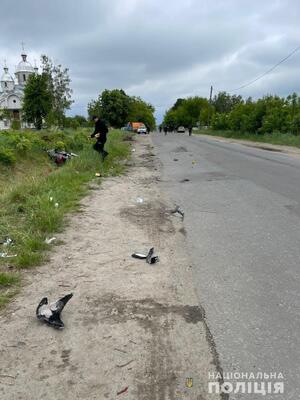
{"x": 165, "y": 129}
{"x": 100, "y": 133}
{"x": 190, "y": 130}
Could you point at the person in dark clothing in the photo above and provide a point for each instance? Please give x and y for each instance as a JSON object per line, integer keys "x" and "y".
{"x": 165, "y": 129}
{"x": 190, "y": 130}
{"x": 100, "y": 133}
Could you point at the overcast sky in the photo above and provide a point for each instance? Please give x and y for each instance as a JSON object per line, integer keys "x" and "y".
{"x": 159, "y": 50}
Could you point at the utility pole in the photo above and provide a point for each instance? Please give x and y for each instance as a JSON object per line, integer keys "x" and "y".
{"x": 210, "y": 96}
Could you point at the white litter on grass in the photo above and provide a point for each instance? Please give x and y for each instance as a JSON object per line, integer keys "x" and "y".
{"x": 56, "y": 205}
{"x": 50, "y": 240}
{"x": 5, "y": 255}
{"x": 133, "y": 150}
{"x": 7, "y": 242}
{"x": 140, "y": 200}
{"x": 50, "y": 198}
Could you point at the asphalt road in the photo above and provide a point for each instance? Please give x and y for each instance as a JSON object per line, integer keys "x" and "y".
{"x": 242, "y": 218}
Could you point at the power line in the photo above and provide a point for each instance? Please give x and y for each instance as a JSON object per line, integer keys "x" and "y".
{"x": 268, "y": 71}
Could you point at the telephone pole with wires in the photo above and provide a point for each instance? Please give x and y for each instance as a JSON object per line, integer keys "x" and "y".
{"x": 210, "y": 96}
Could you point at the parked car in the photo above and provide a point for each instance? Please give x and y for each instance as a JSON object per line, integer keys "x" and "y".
{"x": 181, "y": 129}
{"x": 142, "y": 129}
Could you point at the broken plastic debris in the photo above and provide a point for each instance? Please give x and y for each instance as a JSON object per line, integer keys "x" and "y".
{"x": 50, "y": 240}
{"x": 56, "y": 205}
{"x": 123, "y": 391}
{"x": 7, "y": 242}
{"x": 97, "y": 174}
{"x": 150, "y": 259}
{"x": 50, "y": 313}
{"x": 133, "y": 150}
{"x": 5, "y": 255}
{"x": 153, "y": 260}
{"x": 139, "y": 256}
{"x": 140, "y": 200}
{"x": 179, "y": 211}
{"x": 50, "y": 198}
{"x": 149, "y": 255}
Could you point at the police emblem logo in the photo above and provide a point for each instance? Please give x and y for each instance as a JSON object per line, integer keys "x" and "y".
{"x": 189, "y": 382}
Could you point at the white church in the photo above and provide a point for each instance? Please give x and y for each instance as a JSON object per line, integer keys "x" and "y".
{"x": 12, "y": 91}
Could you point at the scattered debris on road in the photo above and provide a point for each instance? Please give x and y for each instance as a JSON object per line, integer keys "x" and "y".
{"x": 139, "y": 256}
{"x": 175, "y": 159}
{"x": 124, "y": 365}
{"x": 123, "y": 391}
{"x": 50, "y": 313}
{"x": 179, "y": 211}
{"x": 184, "y": 180}
{"x": 140, "y": 200}
{"x": 150, "y": 259}
{"x": 50, "y": 240}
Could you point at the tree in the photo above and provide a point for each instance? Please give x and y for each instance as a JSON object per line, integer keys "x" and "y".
{"x": 59, "y": 88}
{"x": 140, "y": 111}
{"x": 171, "y": 119}
{"x": 37, "y": 101}
{"x": 185, "y": 112}
{"x": 111, "y": 105}
{"x": 177, "y": 104}
{"x": 224, "y": 102}
{"x": 117, "y": 108}
{"x": 206, "y": 114}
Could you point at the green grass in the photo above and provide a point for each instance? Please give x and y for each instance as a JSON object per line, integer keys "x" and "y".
{"x": 29, "y": 193}
{"x": 9, "y": 284}
{"x": 8, "y": 279}
{"x": 285, "y": 139}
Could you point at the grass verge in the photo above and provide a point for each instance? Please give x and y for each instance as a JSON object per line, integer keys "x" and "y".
{"x": 285, "y": 139}
{"x": 35, "y": 201}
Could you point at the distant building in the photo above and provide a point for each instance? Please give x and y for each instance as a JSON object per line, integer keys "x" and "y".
{"x": 12, "y": 92}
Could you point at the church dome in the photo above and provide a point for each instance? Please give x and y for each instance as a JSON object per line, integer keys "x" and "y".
{"x": 24, "y": 65}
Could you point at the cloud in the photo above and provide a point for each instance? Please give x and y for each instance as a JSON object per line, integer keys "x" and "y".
{"x": 158, "y": 50}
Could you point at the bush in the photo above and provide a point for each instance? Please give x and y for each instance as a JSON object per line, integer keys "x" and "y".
{"x": 60, "y": 145}
{"x": 24, "y": 145}
{"x": 7, "y": 157}
{"x": 79, "y": 139}
{"x": 220, "y": 122}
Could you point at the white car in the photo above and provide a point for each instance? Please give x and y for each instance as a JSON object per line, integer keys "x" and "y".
{"x": 142, "y": 129}
{"x": 181, "y": 129}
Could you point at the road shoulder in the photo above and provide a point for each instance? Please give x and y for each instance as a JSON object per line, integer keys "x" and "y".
{"x": 131, "y": 327}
